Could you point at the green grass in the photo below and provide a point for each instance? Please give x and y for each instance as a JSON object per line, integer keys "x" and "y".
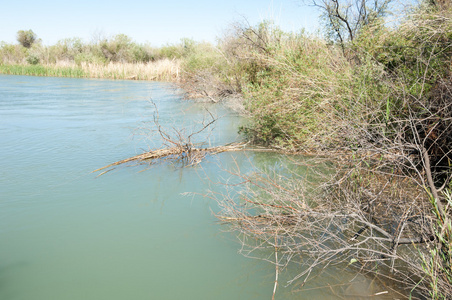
{"x": 39, "y": 70}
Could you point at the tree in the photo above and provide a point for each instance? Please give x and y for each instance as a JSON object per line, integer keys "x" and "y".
{"x": 344, "y": 18}
{"x": 26, "y": 37}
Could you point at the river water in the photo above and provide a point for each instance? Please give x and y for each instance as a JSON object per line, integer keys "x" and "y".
{"x": 131, "y": 233}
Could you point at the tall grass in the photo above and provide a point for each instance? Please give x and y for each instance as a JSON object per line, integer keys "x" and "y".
{"x": 39, "y": 70}
{"x": 161, "y": 70}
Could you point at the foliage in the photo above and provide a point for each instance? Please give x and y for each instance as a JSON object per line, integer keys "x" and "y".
{"x": 33, "y": 59}
{"x": 89, "y": 57}
{"x": 117, "y": 49}
{"x": 26, "y": 38}
{"x": 12, "y": 53}
{"x": 291, "y": 84}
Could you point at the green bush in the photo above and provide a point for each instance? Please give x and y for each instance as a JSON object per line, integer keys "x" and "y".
{"x": 67, "y": 49}
{"x": 121, "y": 48}
{"x": 202, "y": 56}
{"x": 292, "y": 85}
{"x": 171, "y": 52}
{"x": 12, "y": 53}
{"x": 89, "y": 57}
{"x": 142, "y": 53}
{"x": 33, "y": 59}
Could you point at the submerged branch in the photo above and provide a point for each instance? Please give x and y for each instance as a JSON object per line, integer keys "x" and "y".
{"x": 176, "y": 152}
{"x": 192, "y": 154}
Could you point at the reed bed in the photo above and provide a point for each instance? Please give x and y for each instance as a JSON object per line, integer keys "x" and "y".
{"x": 161, "y": 70}
{"x": 43, "y": 70}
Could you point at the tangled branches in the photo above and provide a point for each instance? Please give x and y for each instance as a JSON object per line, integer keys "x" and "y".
{"x": 373, "y": 230}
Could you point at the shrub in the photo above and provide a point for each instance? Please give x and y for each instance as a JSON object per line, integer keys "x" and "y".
{"x": 89, "y": 57}
{"x": 33, "y": 59}
{"x": 292, "y": 84}
{"x": 67, "y": 49}
{"x": 142, "y": 53}
{"x": 12, "y": 54}
{"x": 120, "y": 48}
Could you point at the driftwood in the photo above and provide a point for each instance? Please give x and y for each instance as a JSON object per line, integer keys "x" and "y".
{"x": 192, "y": 154}
{"x": 181, "y": 147}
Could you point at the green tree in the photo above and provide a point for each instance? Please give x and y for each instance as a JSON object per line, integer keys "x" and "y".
{"x": 26, "y": 37}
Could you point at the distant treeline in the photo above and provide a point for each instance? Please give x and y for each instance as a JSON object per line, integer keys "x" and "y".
{"x": 118, "y": 48}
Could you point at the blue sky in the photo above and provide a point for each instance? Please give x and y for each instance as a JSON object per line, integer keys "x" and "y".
{"x": 156, "y": 22}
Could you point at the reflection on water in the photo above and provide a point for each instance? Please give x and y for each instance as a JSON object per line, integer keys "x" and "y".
{"x": 128, "y": 234}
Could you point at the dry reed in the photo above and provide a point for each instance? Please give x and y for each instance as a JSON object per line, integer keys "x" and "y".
{"x": 160, "y": 70}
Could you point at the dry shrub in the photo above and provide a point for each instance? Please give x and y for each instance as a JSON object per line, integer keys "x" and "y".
{"x": 371, "y": 220}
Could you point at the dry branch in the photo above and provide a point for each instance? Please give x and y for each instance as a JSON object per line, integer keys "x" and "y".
{"x": 177, "y": 152}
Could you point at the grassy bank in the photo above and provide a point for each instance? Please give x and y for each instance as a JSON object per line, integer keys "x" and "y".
{"x": 38, "y": 70}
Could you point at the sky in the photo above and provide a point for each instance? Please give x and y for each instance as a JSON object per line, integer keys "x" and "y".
{"x": 156, "y": 22}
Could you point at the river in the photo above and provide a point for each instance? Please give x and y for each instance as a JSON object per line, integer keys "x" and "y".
{"x": 132, "y": 233}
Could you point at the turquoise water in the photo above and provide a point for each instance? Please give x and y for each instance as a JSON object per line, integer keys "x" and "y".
{"x": 66, "y": 234}
{"x": 131, "y": 233}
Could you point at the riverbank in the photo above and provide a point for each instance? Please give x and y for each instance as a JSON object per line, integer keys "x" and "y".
{"x": 383, "y": 95}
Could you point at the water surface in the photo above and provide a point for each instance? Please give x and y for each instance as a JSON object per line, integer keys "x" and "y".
{"x": 131, "y": 233}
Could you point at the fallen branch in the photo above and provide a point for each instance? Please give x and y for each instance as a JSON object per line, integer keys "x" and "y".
{"x": 178, "y": 152}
